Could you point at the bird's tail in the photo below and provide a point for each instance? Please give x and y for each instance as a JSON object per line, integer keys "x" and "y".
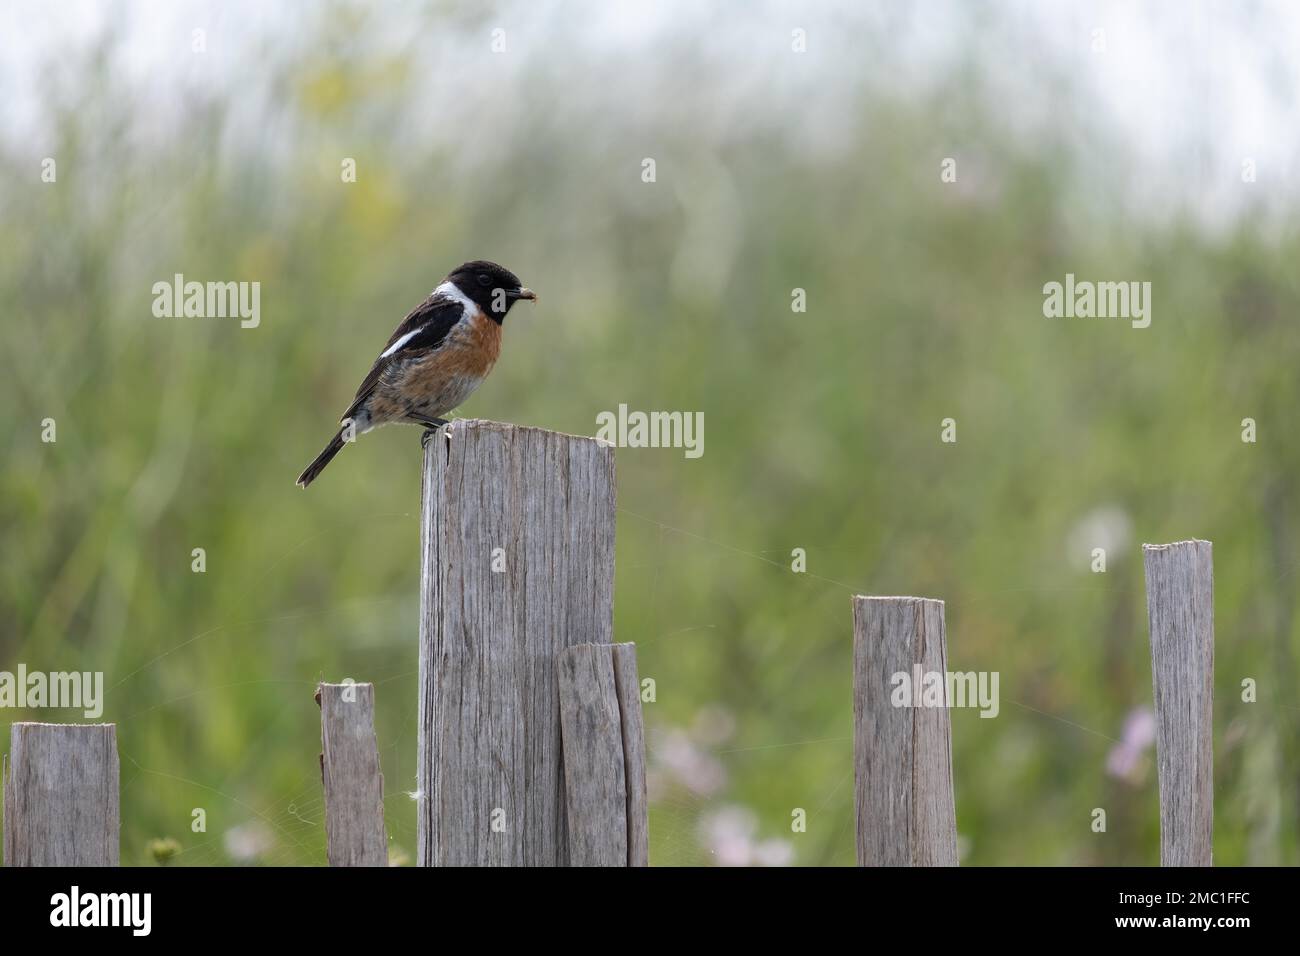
{"x": 323, "y": 459}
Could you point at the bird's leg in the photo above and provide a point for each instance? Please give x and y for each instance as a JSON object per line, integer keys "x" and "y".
{"x": 431, "y": 426}
{"x": 426, "y": 421}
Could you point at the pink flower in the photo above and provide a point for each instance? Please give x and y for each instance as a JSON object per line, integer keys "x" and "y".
{"x": 678, "y": 759}
{"x": 729, "y": 834}
{"x": 1126, "y": 759}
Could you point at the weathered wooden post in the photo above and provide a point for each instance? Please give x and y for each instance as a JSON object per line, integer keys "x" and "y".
{"x": 902, "y": 754}
{"x": 604, "y": 756}
{"x": 351, "y": 777}
{"x": 1180, "y": 612}
{"x": 61, "y": 795}
{"x": 517, "y": 545}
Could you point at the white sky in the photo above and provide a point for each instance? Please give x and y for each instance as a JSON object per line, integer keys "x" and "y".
{"x": 1193, "y": 88}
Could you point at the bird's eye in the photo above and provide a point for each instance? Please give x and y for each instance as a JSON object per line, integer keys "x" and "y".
{"x": 484, "y": 279}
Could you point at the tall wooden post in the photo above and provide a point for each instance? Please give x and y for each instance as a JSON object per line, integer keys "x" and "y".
{"x": 902, "y": 754}
{"x": 1180, "y": 611}
{"x": 517, "y": 544}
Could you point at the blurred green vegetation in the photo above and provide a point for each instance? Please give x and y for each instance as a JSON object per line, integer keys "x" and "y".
{"x": 822, "y": 430}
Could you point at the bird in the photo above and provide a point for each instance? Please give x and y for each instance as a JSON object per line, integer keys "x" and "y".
{"x": 435, "y": 359}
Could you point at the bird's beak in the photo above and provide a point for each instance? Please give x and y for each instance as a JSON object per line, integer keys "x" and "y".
{"x": 525, "y": 293}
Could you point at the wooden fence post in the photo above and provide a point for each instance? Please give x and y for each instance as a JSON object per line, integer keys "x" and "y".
{"x": 351, "y": 777}
{"x": 902, "y": 755}
{"x": 517, "y": 548}
{"x": 61, "y": 795}
{"x": 1180, "y": 612}
{"x": 604, "y": 755}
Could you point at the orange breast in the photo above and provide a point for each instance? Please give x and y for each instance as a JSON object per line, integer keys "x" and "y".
{"x": 473, "y": 350}
{"x": 441, "y": 380}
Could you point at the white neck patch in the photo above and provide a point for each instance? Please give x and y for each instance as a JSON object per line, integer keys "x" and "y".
{"x": 449, "y": 290}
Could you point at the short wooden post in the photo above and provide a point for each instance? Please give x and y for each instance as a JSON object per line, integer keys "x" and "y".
{"x": 604, "y": 756}
{"x": 1180, "y": 611}
{"x": 350, "y": 774}
{"x": 61, "y": 795}
{"x": 517, "y": 545}
{"x": 902, "y": 754}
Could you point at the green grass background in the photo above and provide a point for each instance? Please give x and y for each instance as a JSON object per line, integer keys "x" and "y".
{"x": 821, "y": 429}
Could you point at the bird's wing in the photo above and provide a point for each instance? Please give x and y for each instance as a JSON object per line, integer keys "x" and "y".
{"x": 424, "y": 328}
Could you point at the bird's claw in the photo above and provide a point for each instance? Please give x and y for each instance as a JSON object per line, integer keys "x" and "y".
{"x": 433, "y": 430}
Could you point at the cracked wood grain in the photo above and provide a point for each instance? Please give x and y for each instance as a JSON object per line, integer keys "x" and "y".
{"x": 351, "y": 777}
{"x": 604, "y": 755}
{"x": 61, "y": 795}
